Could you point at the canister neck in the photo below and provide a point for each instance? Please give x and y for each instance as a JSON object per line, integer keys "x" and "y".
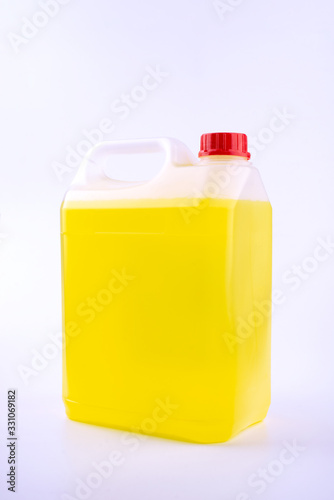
{"x": 221, "y": 158}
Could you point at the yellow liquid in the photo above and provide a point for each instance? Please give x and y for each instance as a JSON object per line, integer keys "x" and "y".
{"x": 166, "y": 315}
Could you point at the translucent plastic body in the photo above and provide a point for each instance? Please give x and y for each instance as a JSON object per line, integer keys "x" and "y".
{"x": 166, "y": 314}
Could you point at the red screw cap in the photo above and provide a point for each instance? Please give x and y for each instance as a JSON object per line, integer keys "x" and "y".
{"x": 224, "y": 143}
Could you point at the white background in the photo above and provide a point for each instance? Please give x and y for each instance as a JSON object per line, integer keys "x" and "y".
{"x": 227, "y": 72}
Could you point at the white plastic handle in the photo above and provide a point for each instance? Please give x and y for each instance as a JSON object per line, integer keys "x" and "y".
{"x": 91, "y": 170}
